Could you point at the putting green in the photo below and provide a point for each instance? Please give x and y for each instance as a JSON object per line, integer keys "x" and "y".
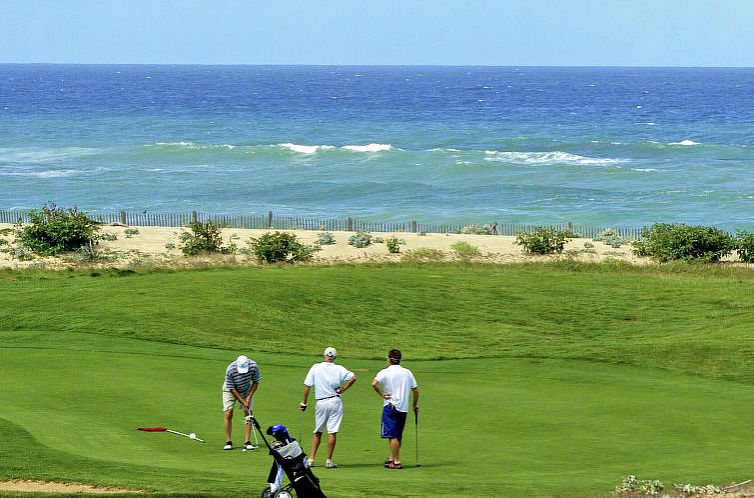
{"x": 70, "y": 404}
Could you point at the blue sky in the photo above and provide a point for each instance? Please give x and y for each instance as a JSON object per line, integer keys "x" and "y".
{"x": 445, "y": 32}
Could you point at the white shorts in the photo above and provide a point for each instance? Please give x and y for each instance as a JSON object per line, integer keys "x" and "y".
{"x": 328, "y": 414}
{"x": 229, "y": 401}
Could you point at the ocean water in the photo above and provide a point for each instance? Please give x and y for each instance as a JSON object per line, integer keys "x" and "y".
{"x": 592, "y": 146}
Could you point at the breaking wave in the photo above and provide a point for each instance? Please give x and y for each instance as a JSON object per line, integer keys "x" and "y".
{"x": 544, "y": 158}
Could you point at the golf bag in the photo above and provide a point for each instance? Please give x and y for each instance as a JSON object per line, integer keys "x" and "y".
{"x": 288, "y": 459}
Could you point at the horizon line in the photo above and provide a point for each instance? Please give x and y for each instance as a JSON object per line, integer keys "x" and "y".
{"x": 213, "y": 64}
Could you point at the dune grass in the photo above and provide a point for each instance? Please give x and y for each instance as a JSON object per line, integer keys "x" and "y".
{"x": 536, "y": 380}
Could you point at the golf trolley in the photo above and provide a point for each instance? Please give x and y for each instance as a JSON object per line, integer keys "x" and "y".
{"x": 289, "y": 459}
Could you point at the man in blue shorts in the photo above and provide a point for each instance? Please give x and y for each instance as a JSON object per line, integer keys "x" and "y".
{"x": 395, "y": 385}
{"x": 241, "y": 382}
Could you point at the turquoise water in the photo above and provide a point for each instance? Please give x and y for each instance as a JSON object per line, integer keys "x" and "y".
{"x": 592, "y": 146}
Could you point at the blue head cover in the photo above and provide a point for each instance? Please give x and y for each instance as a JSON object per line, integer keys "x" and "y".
{"x": 279, "y": 432}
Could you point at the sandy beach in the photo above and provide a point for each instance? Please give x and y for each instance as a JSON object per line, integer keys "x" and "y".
{"x": 160, "y": 246}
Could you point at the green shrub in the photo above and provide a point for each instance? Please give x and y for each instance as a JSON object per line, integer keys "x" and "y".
{"x": 465, "y": 250}
{"x": 204, "y": 238}
{"x": 394, "y": 244}
{"x": 360, "y": 239}
{"x": 488, "y": 229}
{"x": 130, "y": 232}
{"x": 668, "y": 242}
{"x": 611, "y": 237}
{"x": 543, "y": 240}
{"x": 325, "y": 239}
{"x": 745, "y": 246}
{"x": 53, "y": 230}
{"x": 281, "y": 247}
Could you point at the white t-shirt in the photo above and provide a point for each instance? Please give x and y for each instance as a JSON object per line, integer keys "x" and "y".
{"x": 326, "y": 377}
{"x": 399, "y": 382}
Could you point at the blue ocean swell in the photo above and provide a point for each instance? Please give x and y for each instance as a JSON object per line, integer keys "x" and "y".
{"x": 533, "y": 145}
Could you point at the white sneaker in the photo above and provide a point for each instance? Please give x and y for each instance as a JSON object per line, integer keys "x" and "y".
{"x": 331, "y": 465}
{"x": 247, "y": 446}
{"x": 228, "y": 446}
{"x": 311, "y": 462}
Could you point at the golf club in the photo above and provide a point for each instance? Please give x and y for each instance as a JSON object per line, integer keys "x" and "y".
{"x": 165, "y": 429}
{"x": 301, "y": 426}
{"x": 249, "y": 420}
{"x": 416, "y": 439}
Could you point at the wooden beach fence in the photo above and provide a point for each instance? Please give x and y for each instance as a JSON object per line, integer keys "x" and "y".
{"x": 271, "y": 221}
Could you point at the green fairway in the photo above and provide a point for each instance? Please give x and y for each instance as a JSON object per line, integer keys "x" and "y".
{"x": 535, "y": 380}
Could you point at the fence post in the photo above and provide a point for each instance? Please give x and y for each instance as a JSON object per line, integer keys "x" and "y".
{"x": 413, "y": 226}
{"x": 194, "y": 217}
{"x": 349, "y": 224}
{"x": 269, "y": 219}
{"x": 122, "y": 217}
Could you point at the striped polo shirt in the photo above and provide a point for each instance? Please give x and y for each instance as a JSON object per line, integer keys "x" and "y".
{"x": 241, "y": 382}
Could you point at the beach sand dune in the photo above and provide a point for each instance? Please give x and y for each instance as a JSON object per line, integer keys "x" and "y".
{"x": 160, "y": 246}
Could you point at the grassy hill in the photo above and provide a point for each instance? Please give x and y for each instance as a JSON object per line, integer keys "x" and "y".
{"x": 536, "y": 379}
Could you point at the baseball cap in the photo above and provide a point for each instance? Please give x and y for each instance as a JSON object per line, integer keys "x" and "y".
{"x": 243, "y": 364}
{"x": 330, "y": 353}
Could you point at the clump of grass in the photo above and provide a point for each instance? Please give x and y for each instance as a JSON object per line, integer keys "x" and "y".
{"x": 423, "y": 254}
{"x": 465, "y": 250}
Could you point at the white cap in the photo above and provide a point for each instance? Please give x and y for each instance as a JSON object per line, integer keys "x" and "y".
{"x": 243, "y": 364}
{"x": 330, "y": 353}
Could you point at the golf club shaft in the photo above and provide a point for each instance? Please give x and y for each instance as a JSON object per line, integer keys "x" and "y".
{"x": 416, "y": 425}
{"x": 256, "y": 439}
{"x": 185, "y": 435}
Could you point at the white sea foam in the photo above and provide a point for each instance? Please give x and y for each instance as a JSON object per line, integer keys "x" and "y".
{"x": 53, "y": 173}
{"x": 369, "y": 148}
{"x": 40, "y": 155}
{"x": 313, "y": 149}
{"x": 685, "y": 142}
{"x": 191, "y": 145}
{"x": 440, "y": 149}
{"x": 644, "y": 170}
{"x": 306, "y": 149}
{"x": 544, "y": 158}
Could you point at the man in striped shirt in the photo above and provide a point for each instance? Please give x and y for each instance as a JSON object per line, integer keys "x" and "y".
{"x": 241, "y": 382}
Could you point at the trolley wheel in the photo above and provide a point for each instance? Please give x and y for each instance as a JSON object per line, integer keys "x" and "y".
{"x": 283, "y": 493}
{"x": 266, "y": 493}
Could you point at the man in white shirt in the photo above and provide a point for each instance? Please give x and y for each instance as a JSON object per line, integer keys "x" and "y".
{"x": 395, "y": 385}
{"x": 330, "y": 381}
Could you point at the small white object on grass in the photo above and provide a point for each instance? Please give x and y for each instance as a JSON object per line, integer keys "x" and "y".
{"x": 192, "y": 435}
